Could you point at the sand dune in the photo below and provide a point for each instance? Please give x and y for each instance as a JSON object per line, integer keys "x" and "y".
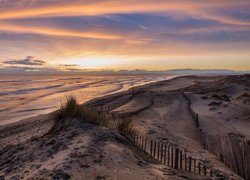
{"x": 159, "y": 111}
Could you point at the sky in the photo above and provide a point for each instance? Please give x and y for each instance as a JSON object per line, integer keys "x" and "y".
{"x": 73, "y": 35}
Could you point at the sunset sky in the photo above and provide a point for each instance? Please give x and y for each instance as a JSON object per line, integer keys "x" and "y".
{"x": 48, "y": 35}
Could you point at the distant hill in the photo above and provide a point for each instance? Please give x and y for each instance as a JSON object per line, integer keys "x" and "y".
{"x": 133, "y": 72}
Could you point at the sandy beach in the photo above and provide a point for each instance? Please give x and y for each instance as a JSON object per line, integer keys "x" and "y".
{"x": 159, "y": 111}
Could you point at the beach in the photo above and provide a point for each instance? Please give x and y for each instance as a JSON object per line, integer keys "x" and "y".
{"x": 162, "y": 111}
{"x": 25, "y": 96}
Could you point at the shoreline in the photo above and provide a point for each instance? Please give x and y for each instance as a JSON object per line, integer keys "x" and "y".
{"x": 26, "y": 120}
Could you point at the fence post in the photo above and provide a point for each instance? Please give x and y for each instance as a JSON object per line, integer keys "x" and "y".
{"x": 140, "y": 142}
{"x": 190, "y": 164}
{"x": 194, "y": 165}
{"x": 199, "y": 167}
{"x": 176, "y": 158}
{"x": 154, "y": 148}
{"x": 168, "y": 155}
{"x": 205, "y": 170}
{"x": 158, "y": 152}
{"x": 134, "y": 137}
{"x": 161, "y": 152}
{"x": 172, "y": 157}
{"x": 165, "y": 153}
{"x": 151, "y": 147}
{"x": 197, "y": 120}
{"x": 137, "y": 139}
{"x": 181, "y": 160}
{"x": 145, "y": 145}
{"x": 211, "y": 173}
{"x": 185, "y": 161}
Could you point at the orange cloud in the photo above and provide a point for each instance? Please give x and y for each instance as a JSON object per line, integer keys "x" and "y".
{"x": 56, "y": 32}
{"x": 197, "y": 9}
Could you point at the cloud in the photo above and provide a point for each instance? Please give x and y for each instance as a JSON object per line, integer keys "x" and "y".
{"x": 99, "y": 7}
{"x": 69, "y": 31}
{"x": 29, "y": 60}
{"x": 56, "y": 32}
{"x": 68, "y": 65}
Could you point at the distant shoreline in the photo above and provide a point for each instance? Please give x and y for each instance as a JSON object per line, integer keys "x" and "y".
{"x": 93, "y": 99}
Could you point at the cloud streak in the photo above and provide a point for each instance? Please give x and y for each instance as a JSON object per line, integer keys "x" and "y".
{"x": 29, "y": 60}
{"x": 56, "y": 32}
{"x": 200, "y": 8}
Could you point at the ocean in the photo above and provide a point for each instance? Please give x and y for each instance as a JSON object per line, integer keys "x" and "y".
{"x": 24, "y": 96}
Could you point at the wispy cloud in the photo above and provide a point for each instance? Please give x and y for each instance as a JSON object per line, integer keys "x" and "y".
{"x": 55, "y": 32}
{"x": 29, "y": 60}
{"x": 79, "y": 8}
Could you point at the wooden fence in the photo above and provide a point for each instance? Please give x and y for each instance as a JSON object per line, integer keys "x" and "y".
{"x": 173, "y": 156}
{"x": 167, "y": 154}
{"x": 164, "y": 153}
{"x": 233, "y": 150}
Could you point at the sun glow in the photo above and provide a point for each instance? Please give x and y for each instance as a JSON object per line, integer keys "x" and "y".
{"x": 94, "y": 62}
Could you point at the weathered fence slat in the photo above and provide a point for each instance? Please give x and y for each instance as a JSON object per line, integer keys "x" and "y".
{"x": 181, "y": 160}
{"x": 161, "y": 152}
{"x": 189, "y": 164}
{"x": 165, "y": 153}
{"x": 176, "y": 158}
{"x": 158, "y": 151}
{"x": 154, "y": 149}
{"x": 172, "y": 157}
{"x": 151, "y": 147}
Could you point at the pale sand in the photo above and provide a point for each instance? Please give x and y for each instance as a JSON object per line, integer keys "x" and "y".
{"x": 159, "y": 111}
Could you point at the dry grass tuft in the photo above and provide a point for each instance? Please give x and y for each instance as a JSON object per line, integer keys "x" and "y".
{"x": 72, "y": 110}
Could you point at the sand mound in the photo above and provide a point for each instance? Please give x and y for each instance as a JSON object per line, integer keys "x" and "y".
{"x": 78, "y": 150}
{"x": 138, "y": 103}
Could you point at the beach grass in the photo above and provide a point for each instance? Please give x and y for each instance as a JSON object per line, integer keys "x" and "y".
{"x": 72, "y": 110}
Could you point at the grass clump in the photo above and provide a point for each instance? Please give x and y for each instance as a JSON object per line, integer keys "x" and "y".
{"x": 70, "y": 109}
